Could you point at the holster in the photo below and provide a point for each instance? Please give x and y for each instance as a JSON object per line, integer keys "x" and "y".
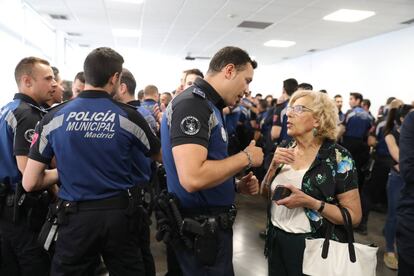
{"x": 206, "y": 245}
{"x": 48, "y": 233}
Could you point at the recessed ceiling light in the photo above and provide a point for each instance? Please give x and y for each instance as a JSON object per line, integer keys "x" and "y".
{"x": 279, "y": 43}
{"x": 126, "y": 32}
{"x": 129, "y": 1}
{"x": 345, "y": 15}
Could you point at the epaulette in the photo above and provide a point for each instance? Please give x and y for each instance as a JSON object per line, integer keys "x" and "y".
{"x": 198, "y": 92}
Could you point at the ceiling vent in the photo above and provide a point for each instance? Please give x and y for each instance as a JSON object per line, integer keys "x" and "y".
{"x": 254, "y": 25}
{"x": 84, "y": 45}
{"x": 408, "y": 22}
{"x": 74, "y": 34}
{"x": 312, "y": 50}
{"x": 58, "y": 16}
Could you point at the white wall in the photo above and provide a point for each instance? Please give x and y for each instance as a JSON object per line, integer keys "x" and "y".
{"x": 377, "y": 67}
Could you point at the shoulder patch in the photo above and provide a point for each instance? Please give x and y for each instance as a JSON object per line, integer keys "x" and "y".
{"x": 190, "y": 125}
{"x": 198, "y": 92}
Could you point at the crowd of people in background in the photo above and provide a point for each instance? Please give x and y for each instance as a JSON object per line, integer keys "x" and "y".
{"x": 372, "y": 141}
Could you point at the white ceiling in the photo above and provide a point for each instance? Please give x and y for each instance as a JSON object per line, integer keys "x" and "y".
{"x": 201, "y": 27}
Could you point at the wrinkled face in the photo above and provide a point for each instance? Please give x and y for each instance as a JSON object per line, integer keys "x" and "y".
{"x": 77, "y": 87}
{"x": 339, "y": 102}
{"x": 189, "y": 80}
{"x": 300, "y": 119}
{"x": 238, "y": 84}
{"x": 43, "y": 82}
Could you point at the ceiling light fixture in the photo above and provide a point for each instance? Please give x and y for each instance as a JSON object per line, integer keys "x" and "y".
{"x": 129, "y": 1}
{"x": 126, "y": 32}
{"x": 345, "y": 15}
{"x": 279, "y": 43}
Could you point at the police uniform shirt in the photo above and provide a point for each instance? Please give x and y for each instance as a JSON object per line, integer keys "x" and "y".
{"x": 194, "y": 117}
{"x": 18, "y": 120}
{"x": 142, "y": 170}
{"x": 280, "y": 120}
{"x": 232, "y": 119}
{"x": 149, "y": 104}
{"x": 93, "y": 139}
{"x": 357, "y": 123}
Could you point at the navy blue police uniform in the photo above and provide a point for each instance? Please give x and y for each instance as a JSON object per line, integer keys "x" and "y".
{"x": 93, "y": 139}
{"x": 195, "y": 117}
{"x": 149, "y": 104}
{"x": 280, "y": 120}
{"x": 357, "y": 123}
{"x": 142, "y": 175}
{"x": 19, "y": 248}
{"x": 405, "y": 211}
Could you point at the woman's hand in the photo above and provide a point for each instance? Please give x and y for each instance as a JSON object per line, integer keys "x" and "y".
{"x": 283, "y": 156}
{"x": 298, "y": 199}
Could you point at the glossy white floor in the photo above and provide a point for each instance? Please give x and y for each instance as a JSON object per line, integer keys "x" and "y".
{"x": 248, "y": 256}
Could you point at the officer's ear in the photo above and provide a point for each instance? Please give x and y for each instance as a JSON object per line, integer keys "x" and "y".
{"x": 26, "y": 81}
{"x": 115, "y": 78}
{"x": 229, "y": 71}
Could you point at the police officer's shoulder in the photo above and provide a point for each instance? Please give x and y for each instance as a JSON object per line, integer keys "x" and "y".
{"x": 130, "y": 110}
{"x": 51, "y": 112}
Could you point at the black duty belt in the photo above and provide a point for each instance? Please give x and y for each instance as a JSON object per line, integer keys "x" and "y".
{"x": 223, "y": 216}
{"x": 116, "y": 202}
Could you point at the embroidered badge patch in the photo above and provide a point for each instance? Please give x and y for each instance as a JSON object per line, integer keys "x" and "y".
{"x": 190, "y": 125}
{"x": 28, "y": 135}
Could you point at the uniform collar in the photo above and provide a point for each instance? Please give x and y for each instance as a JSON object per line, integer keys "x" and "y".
{"x": 94, "y": 94}
{"x": 210, "y": 92}
{"x": 134, "y": 103}
{"x": 25, "y": 98}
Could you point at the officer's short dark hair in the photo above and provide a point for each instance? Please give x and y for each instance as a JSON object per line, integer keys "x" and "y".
{"x": 230, "y": 55}
{"x": 337, "y": 96}
{"x": 128, "y": 79}
{"x": 55, "y": 72}
{"x": 290, "y": 86}
{"x": 141, "y": 94}
{"x": 150, "y": 90}
{"x": 80, "y": 76}
{"x": 194, "y": 71}
{"x": 366, "y": 102}
{"x": 25, "y": 67}
{"x": 305, "y": 86}
{"x": 100, "y": 65}
{"x": 357, "y": 96}
{"x": 390, "y": 99}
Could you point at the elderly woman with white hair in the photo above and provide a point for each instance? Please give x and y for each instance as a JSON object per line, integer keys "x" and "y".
{"x": 319, "y": 175}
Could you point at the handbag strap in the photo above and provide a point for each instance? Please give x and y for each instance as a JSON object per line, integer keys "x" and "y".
{"x": 350, "y": 235}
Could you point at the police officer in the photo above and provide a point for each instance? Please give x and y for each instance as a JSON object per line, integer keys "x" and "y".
{"x": 199, "y": 171}
{"x": 142, "y": 167}
{"x": 93, "y": 139}
{"x": 20, "y": 253}
{"x": 355, "y": 129}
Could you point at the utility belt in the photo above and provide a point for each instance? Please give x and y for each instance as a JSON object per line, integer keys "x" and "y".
{"x": 59, "y": 212}
{"x": 22, "y": 207}
{"x": 193, "y": 230}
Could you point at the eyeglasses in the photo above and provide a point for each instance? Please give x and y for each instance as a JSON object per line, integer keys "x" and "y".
{"x": 298, "y": 109}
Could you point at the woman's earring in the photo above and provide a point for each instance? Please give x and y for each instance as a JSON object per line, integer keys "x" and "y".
{"x": 314, "y": 132}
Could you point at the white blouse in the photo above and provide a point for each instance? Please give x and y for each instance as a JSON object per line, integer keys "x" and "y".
{"x": 289, "y": 220}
